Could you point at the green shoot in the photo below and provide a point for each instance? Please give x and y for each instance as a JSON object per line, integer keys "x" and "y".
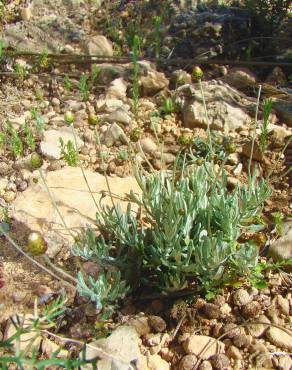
{"x": 39, "y": 120}
{"x": 69, "y": 152}
{"x": 157, "y": 36}
{"x": 278, "y": 221}
{"x": 16, "y": 145}
{"x": 67, "y": 83}
{"x": 264, "y": 134}
{"x": 83, "y": 87}
{"x": 29, "y": 137}
{"x": 123, "y": 155}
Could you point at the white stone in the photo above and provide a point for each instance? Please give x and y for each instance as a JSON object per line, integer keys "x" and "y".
{"x": 34, "y": 208}
{"x": 50, "y": 146}
{"x": 117, "y": 89}
{"x": 99, "y": 45}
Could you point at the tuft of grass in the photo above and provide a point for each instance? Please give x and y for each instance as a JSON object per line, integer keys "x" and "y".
{"x": 67, "y": 83}
{"x": 30, "y": 140}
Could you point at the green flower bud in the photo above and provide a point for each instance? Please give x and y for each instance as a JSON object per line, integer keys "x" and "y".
{"x": 93, "y": 119}
{"x": 69, "y": 117}
{"x": 36, "y": 244}
{"x": 197, "y": 73}
{"x": 36, "y": 160}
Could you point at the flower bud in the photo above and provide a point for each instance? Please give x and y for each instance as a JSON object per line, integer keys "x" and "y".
{"x": 36, "y": 244}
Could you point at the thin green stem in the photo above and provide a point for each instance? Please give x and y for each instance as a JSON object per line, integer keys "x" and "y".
{"x": 255, "y": 129}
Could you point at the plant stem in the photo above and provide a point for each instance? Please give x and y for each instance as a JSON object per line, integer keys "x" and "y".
{"x": 255, "y": 129}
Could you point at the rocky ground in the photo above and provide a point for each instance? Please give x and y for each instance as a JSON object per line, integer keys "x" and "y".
{"x": 238, "y": 329}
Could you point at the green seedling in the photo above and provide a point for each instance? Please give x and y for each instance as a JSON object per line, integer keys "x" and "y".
{"x": 69, "y": 152}
{"x": 29, "y": 137}
{"x": 123, "y": 155}
{"x": 264, "y": 134}
{"x": 44, "y": 61}
{"x": 20, "y": 71}
{"x": 95, "y": 71}
{"x": 16, "y": 144}
{"x": 157, "y": 36}
{"x": 168, "y": 107}
{"x": 83, "y": 87}
{"x": 39, "y": 120}
{"x": 278, "y": 222}
{"x": 67, "y": 83}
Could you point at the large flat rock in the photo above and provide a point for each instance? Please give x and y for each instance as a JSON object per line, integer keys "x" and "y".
{"x": 34, "y": 210}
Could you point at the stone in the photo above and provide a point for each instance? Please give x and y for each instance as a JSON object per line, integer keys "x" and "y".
{"x": 117, "y": 89}
{"x": 225, "y": 107}
{"x": 25, "y": 338}
{"x": 211, "y": 311}
{"x": 283, "y": 304}
{"x": 113, "y": 134}
{"x": 234, "y": 352}
{"x": 188, "y": 362}
{"x": 122, "y": 346}
{"x": 283, "y": 111}
{"x": 50, "y": 145}
{"x": 4, "y": 168}
{"x": 99, "y": 45}
{"x": 26, "y": 13}
{"x": 220, "y": 361}
{"x": 157, "y": 324}
{"x": 279, "y": 134}
{"x": 281, "y": 249}
{"x": 108, "y": 105}
{"x": 240, "y": 78}
{"x": 119, "y": 116}
{"x": 155, "y": 362}
{"x": 241, "y": 341}
{"x": 205, "y": 365}
{"x": 285, "y": 362}
{"x": 153, "y": 82}
{"x": 180, "y": 77}
{"x": 196, "y": 345}
{"x": 279, "y": 338}
{"x": 9, "y": 196}
{"x": 3, "y": 184}
{"x": 257, "y": 154}
{"x": 276, "y": 77}
{"x": 241, "y": 297}
{"x": 251, "y": 310}
{"x": 148, "y": 145}
{"x": 34, "y": 208}
{"x": 141, "y": 325}
{"x": 258, "y": 330}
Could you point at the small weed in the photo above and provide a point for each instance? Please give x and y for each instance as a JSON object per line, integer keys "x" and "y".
{"x": 20, "y": 71}
{"x": 39, "y": 95}
{"x": 16, "y": 144}
{"x": 104, "y": 156}
{"x": 278, "y": 222}
{"x": 264, "y": 134}
{"x": 2, "y": 48}
{"x": 44, "y": 61}
{"x": 168, "y": 107}
{"x": 2, "y": 140}
{"x": 67, "y": 83}
{"x": 29, "y": 137}
{"x": 39, "y": 120}
{"x": 83, "y": 87}
{"x": 69, "y": 152}
{"x": 123, "y": 155}
{"x": 95, "y": 71}
{"x": 157, "y": 36}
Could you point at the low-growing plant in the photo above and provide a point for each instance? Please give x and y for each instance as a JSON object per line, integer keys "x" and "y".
{"x": 167, "y": 107}
{"x": 157, "y": 36}
{"x": 44, "y": 61}
{"x": 30, "y": 140}
{"x": 39, "y": 120}
{"x": 20, "y": 71}
{"x": 278, "y": 222}
{"x": 123, "y": 155}
{"x": 69, "y": 152}
{"x": 2, "y": 48}
{"x": 95, "y": 71}
{"x": 2, "y": 140}
{"x": 264, "y": 134}
{"x": 12, "y": 355}
{"x": 83, "y": 87}
{"x": 189, "y": 233}
{"x": 16, "y": 144}
{"x": 67, "y": 83}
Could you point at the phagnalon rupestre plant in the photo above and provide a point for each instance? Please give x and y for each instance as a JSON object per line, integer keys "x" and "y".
{"x": 186, "y": 231}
